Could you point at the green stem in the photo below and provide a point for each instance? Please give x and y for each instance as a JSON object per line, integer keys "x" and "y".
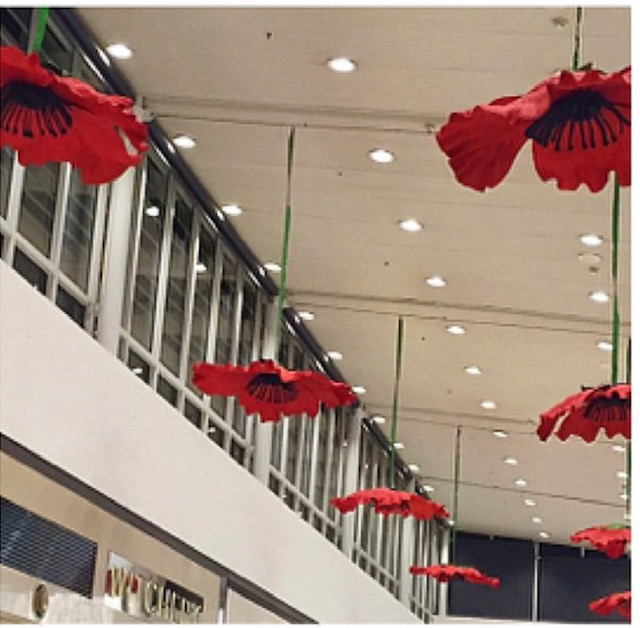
{"x": 396, "y": 396}
{"x": 456, "y": 485}
{"x": 577, "y": 40}
{"x": 627, "y": 508}
{"x": 284, "y": 258}
{"x": 41, "y": 29}
{"x": 615, "y": 237}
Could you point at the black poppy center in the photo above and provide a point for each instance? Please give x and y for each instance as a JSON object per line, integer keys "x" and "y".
{"x": 33, "y": 111}
{"x": 608, "y": 409}
{"x": 269, "y": 388}
{"x": 584, "y": 119}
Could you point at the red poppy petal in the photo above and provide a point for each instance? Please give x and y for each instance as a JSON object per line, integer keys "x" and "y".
{"x": 218, "y": 379}
{"x": 482, "y": 143}
{"x": 620, "y": 602}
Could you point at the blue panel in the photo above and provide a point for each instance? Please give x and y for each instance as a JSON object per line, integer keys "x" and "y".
{"x": 45, "y": 550}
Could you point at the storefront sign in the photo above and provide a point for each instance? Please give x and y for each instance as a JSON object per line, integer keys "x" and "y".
{"x": 143, "y": 594}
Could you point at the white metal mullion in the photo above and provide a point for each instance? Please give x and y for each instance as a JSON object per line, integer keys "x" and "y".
{"x": 95, "y": 256}
{"x": 255, "y": 355}
{"x": 327, "y": 467}
{"x": 136, "y": 236}
{"x": 315, "y": 439}
{"x": 59, "y": 216}
{"x": 163, "y": 280}
{"x": 214, "y": 309}
{"x": 13, "y": 207}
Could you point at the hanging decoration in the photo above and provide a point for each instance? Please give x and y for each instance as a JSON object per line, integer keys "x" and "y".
{"x": 271, "y": 391}
{"x": 611, "y": 539}
{"x": 616, "y": 602}
{"x": 586, "y": 413}
{"x": 264, "y": 387}
{"x": 387, "y": 501}
{"x": 579, "y": 123}
{"x": 49, "y": 118}
{"x": 446, "y": 573}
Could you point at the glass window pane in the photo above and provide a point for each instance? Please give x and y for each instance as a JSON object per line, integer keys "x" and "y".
{"x": 146, "y": 284}
{"x": 192, "y": 413}
{"x": 248, "y": 322}
{"x": 56, "y": 52}
{"x": 30, "y": 271}
{"x": 321, "y": 464}
{"x": 6, "y": 162}
{"x": 70, "y": 306}
{"x": 78, "y": 230}
{"x": 202, "y": 299}
{"x": 15, "y": 26}
{"x": 292, "y": 446}
{"x": 39, "y": 205}
{"x": 139, "y": 367}
{"x": 166, "y": 390}
{"x": 177, "y": 285}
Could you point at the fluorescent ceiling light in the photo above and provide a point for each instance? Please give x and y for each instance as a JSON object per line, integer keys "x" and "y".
{"x": 381, "y": 156}
{"x": 591, "y": 239}
{"x": 232, "y": 210}
{"x": 456, "y": 330}
{"x": 436, "y": 282}
{"x": 414, "y": 468}
{"x": 343, "y": 65}
{"x": 306, "y": 315}
{"x": 605, "y": 345}
{"x": 359, "y": 390}
{"x": 379, "y": 419}
{"x": 511, "y": 460}
{"x": 621, "y": 475}
{"x": 543, "y": 535}
{"x": 411, "y": 225}
{"x": 428, "y": 488}
{"x": 500, "y": 434}
{"x": 488, "y": 405}
{"x": 272, "y": 267}
{"x": 184, "y": 141}
{"x": 599, "y": 296}
{"x": 521, "y": 482}
{"x": 529, "y": 502}
{"x": 398, "y": 445}
{"x": 334, "y": 355}
{"x": 536, "y": 519}
{"x": 119, "y": 51}
{"x": 473, "y": 370}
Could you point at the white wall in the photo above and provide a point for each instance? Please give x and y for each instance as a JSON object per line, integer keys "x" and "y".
{"x": 68, "y": 400}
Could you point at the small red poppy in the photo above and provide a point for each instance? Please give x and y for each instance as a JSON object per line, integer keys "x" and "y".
{"x": 580, "y": 124}
{"x": 387, "y": 501}
{"x": 620, "y": 602}
{"x": 49, "y": 118}
{"x": 585, "y": 413}
{"x": 446, "y": 573}
{"x": 270, "y": 390}
{"x": 610, "y": 539}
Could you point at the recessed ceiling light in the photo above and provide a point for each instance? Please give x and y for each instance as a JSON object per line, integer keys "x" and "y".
{"x": 272, "y": 267}
{"x": 529, "y": 502}
{"x": 591, "y": 239}
{"x": 511, "y": 460}
{"x": 599, "y": 296}
{"x": 200, "y": 267}
{"x": 379, "y": 419}
{"x": 119, "y": 51}
{"x": 500, "y": 434}
{"x": 605, "y": 345}
{"x": 411, "y": 225}
{"x": 306, "y": 315}
{"x": 428, "y": 488}
{"x": 488, "y": 405}
{"x": 335, "y": 355}
{"x": 543, "y": 535}
{"x": 436, "y": 282}
{"x": 414, "y": 468}
{"x": 398, "y": 445}
{"x": 153, "y": 211}
{"x": 618, "y": 448}
{"x": 381, "y": 156}
{"x": 623, "y": 496}
{"x": 473, "y": 370}
{"x": 536, "y": 519}
{"x": 456, "y": 330}
{"x": 232, "y": 209}
{"x": 359, "y": 390}
{"x": 593, "y": 259}
{"x": 521, "y": 482}
{"x": 184, "y": 141}
{"x": 621, "y": 475}
{"x": 341, "y": 64}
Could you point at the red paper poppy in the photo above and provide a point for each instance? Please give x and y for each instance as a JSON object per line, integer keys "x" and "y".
{"x": 48, "y": 118}
{"x": 446, "y": 573}
{"x": 580, "y": 124}
{"x": 620, "y": 602}
{"x": 270, "y": 390}
{"x": 387, "y": 501}
{"x": 583, "y": 414}
{"x": 611, "y": 539}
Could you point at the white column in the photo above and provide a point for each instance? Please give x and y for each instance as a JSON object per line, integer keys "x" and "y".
{"x": 352, "y": 464}
{"x": 115, "y": 260}
{"x": 264, "y": 431}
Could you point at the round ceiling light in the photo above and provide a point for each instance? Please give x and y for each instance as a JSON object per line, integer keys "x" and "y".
{"x": 232, "y": 209}
{"x": 591, "y": 239}
{"x": 436, "y": 282}
{"x": 119, "y": 51}
{"x": 456, "y": 330}
{"x": 411, "y": 225}
{"x": 381, "y": 156}
{"x": 599, "y": 296}
{"x": 184, "y": 141}
{"x": 342, "y": 65}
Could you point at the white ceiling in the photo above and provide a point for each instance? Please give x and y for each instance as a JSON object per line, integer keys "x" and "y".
{"x": 237, "y": 79}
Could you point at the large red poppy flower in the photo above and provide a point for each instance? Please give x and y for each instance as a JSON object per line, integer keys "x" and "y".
{"x": 579, "y": 122}
{"x": 620, "y": 602}
{"x": 48, "y": 118}
{"x": 446, "y": 573}
{"x": 585, "y": 413}
{"x": 270, "y": 390}
{"x": 387, "y": 501}
{"x": 611, "y": 539}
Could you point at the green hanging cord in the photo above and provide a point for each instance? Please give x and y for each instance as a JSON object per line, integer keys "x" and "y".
{"x": 456, "y": 484}
{"x": 284, "y": 260}
{"x": 41, "y": 29}
{"x": 615, "y": 237}
{"x": 627, "y": 507}
{"x": 396, "y": 394}
{"x": 577, "y": 40}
